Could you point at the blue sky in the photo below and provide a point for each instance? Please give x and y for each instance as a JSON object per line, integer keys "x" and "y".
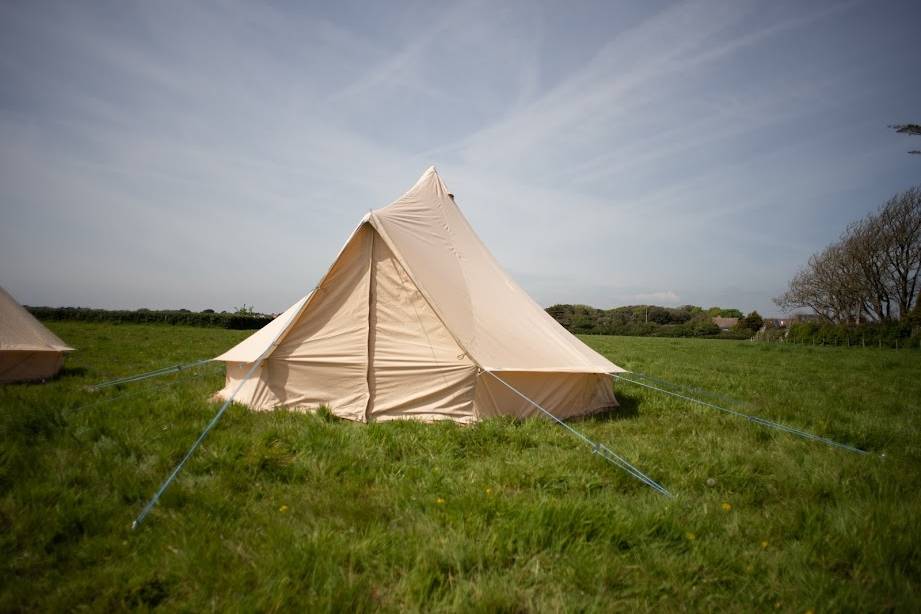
{"x": 212, "y": 154}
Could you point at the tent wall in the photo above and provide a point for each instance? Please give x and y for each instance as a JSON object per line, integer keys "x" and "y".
{"x": 563, "y": 394}
{"x": 417, "y": 369}
{"x": 255, "y": 391}
{"x": 21, "y": 366}
{"x": 323, "y": 357}
{"x": 369, "y": 346}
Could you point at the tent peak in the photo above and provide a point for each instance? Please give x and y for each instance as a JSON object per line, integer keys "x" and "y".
{"x": 430, "y": 173}
{"x": 429, "y": 185}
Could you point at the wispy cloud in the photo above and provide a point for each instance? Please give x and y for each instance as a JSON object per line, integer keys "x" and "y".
{"x": 665, "y": 297}
{"x": 210, "y": 154}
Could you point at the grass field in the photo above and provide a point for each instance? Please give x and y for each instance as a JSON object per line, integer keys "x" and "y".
{"x": 286, "y": 511}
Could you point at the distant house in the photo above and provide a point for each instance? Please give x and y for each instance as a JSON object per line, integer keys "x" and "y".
{"x": 725, "y": 323}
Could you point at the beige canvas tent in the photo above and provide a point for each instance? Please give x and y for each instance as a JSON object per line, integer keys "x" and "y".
{"x": 416, "y": 319}
{"x": 28, "y": 350}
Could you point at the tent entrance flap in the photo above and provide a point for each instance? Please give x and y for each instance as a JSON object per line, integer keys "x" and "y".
{"x": 416, "y": 368}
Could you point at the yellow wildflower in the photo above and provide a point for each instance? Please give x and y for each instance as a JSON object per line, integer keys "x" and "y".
{"x": 283, "y": 509}
{"x": 440, "y": 501}
{"x": 764, "y": 545}
{"x": 727, "y": 507}
{"x": 691, "y": 537}
{"x": 489, "y": 491}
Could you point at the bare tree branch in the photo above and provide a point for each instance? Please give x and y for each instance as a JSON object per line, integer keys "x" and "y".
{"x": 910, "y": 129}
{"x": 872, "y": 273}
{"x": 914, "y": 129}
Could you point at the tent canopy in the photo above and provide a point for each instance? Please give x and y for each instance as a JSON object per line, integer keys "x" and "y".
{"x": 19, "y": 330}
{"x": 412, "y": 311}
{"x": 28, "y": 350}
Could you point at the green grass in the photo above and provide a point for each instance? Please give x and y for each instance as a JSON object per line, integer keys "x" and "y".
{"x": 285, "y": 511}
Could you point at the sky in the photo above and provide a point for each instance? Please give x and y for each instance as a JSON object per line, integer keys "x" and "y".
{"x": 214, "y": 154}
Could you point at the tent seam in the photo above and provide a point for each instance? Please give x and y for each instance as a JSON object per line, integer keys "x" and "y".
{"x": 368, "y": 357}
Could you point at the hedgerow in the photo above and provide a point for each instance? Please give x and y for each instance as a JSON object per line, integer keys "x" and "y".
{"x": 183, "y": 317}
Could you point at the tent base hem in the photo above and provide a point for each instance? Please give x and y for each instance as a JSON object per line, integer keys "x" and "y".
{"x": 24, "y": 366}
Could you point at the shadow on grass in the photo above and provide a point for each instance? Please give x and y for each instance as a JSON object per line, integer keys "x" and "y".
{"x": 629, "y": 409}
{"x": 72, "y": 372}
{"x": 63, "y": 373}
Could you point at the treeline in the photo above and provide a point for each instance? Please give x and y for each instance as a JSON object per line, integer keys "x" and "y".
{"x": 243, "y": 319}
{"x": 871, "y": 274}
{"x": 900, "y": 334}
{"x": 653, "y": 320}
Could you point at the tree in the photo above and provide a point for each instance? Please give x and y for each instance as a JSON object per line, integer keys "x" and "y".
{"x": 864, "y": 244}
{"x": 659, "y": 315}
{"x": 244, "y": 310}
{"x": 753, "y": 321}
{"x": 900, "y": 232}
{"x": 872, "y": 272}
{"x": 832, "y": 285}
{"x": 910, "y": 129}
{"x": 914, "y": 317}
{"x": 824, "y": 285}
{"x": 704, "y": 327}
{"x": 749, "y": 324}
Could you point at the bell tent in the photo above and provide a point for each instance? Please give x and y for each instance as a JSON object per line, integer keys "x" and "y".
{"x": 416, "y": 319}
{"x": 28, "y": 350}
